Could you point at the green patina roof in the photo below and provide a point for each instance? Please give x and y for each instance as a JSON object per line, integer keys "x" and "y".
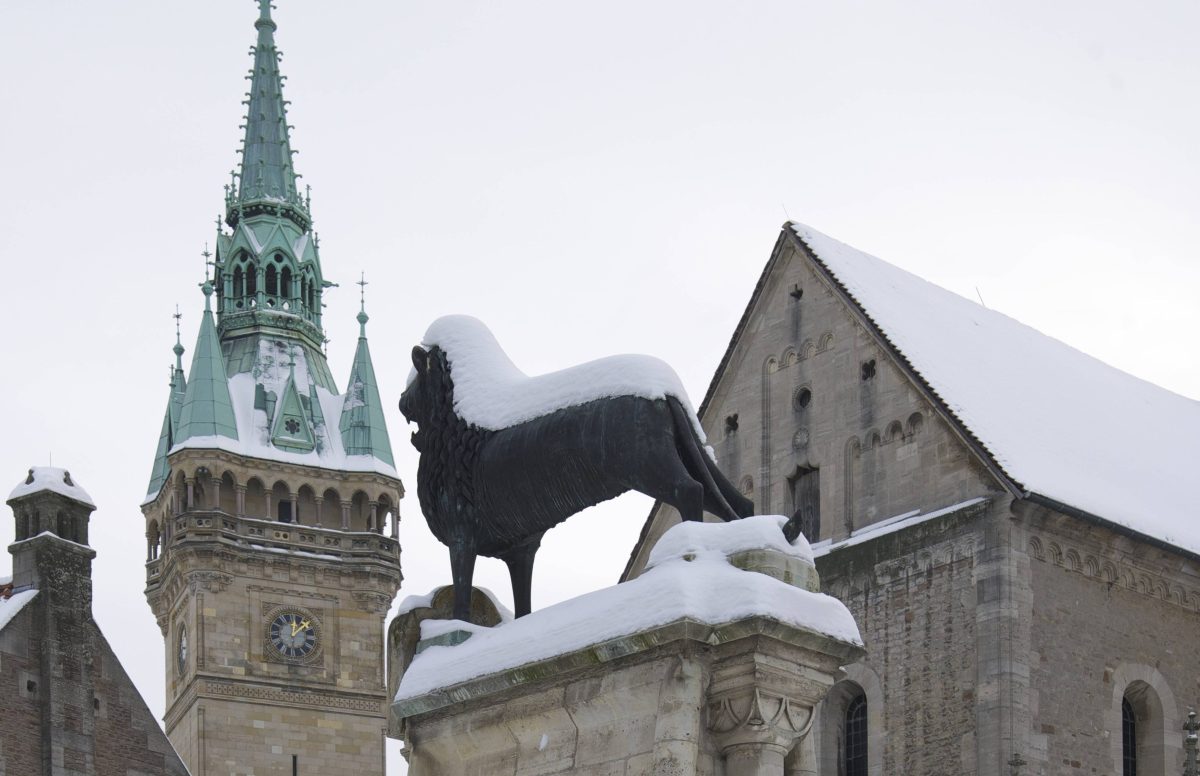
{"x": 362, "y": 426}
{"x": 267, "y": 172}
{"x": 170, "y": 425}
{"x": 207, "y": 408}
{"x": 291, "y": 429}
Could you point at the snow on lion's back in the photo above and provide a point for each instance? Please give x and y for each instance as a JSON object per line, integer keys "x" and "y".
{"x": 492, "y": 393}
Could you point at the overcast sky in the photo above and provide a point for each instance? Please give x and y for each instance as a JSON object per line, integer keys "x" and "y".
{"x": 588, "y": 179}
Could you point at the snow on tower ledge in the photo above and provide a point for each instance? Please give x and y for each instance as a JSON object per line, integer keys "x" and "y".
{"x": 54, "y": 480}
{"x": 692, "y": 576}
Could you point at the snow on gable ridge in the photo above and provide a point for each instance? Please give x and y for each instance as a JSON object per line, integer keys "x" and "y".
{"x": 492, "y": 393}
{"x": 53, "y": 479}
{"x": 12, "y": 606}
{"x": 1060, "y": 423}
{"x": 706, "y": 589}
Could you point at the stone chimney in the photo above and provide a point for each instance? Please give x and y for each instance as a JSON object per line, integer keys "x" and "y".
{"x": 51, "y": 555}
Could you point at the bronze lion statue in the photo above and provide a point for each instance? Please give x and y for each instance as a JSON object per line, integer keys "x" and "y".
{"x": 531, "y": 452}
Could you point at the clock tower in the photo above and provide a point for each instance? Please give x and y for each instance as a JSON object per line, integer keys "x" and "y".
{"x": 271, "y": 513}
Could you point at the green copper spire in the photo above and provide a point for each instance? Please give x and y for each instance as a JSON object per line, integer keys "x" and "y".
{"x": 267, "y": 175}
{"x": 207, "y": 407}
{"x": 267, "y": 266}
{"x": 166, "y": 436}
{"x": 362, "y": 426}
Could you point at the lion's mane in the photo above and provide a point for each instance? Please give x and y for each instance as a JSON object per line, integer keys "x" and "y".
{"x": 448, "y": 460}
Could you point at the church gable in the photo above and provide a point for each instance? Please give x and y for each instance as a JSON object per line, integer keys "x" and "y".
{"x": 811, "y": 413}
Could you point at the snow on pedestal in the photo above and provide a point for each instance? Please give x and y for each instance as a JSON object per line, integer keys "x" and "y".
{"x": 717, "y": 653}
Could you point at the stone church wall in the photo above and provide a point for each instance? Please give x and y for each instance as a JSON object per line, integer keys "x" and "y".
{"x": 913, "y": 595}
{"x": 1110, "y": 614}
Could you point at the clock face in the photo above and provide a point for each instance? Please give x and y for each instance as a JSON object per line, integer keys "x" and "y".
{"x": 183, "y": 649}
{"x": 293, "y": 634}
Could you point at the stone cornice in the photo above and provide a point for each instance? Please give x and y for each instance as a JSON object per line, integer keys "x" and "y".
{"x": 258, "y": 693}
{"x": 484, "y": 689}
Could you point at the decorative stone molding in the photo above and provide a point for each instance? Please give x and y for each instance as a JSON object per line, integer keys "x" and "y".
{"x": 292, "y": 592}
{"x": 377, "y": 603}
{"x": 292, "y": 698}
{"x": 210, "y": 581}
{"x": 759, "y": 717}
{"x": 1100, "y": 569}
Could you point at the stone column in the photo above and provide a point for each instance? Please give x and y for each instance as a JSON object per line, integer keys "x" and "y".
{"x": 345, "y": 515}
{"x": 241, "y": 500}
{"x": 295, "y": 508}
{"x": 216, "y": 491}
{"x": 270, "y": 510}
{"x": 190, "y": 501}
{"x": 319, "y": 501}
{"x": 396, "y": 521}
{"x": 373, "y": 518}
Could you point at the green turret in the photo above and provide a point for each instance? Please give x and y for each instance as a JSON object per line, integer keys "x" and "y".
{"x": 268, "y": 269}
{"x": 259, "y": 384}
{"x": 170, "y": 424}
{"x": 362, "y": 426}
{"x": 207, "y": 407}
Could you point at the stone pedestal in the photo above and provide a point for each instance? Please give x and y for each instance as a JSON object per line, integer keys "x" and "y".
{"x": 687, "y": 697}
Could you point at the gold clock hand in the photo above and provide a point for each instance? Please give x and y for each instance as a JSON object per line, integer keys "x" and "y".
{"x": 295, "y": 628}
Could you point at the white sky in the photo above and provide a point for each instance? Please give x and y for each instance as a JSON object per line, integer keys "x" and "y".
{"x": 588, "y": 180}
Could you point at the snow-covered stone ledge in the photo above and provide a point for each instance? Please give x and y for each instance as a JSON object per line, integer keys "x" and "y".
{"x": 710, "y": 662}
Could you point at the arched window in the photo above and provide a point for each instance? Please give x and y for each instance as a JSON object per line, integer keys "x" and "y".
{"x": 1141, "y": 722}
{"x": 854, "y": 741}
{"x": 272, "y": 286}
{"x": 285, "y": 285}
{"x": 238, "y": 279}
{"x": 251, "y": 280}
{"x": 849, "y": 727}
{"x": 1128, "y": 739}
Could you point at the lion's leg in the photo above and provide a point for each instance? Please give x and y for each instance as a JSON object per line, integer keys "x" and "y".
{"x": 520, "y": 570}
{"x": 462, "y": 568}
{"x": 688, "y": 498}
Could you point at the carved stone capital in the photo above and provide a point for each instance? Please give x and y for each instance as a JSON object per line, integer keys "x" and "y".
{"x": 210, "y": 581}
{"x": 377, "y": 603}
{"x": 759, "y": 717}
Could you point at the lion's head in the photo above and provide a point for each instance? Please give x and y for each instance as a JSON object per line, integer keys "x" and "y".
{"x": 429, "y": 398}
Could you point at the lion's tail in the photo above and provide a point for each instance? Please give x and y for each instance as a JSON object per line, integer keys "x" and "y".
{"x": 719, "y": 491}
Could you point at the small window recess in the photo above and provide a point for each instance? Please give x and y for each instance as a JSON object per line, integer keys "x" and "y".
{"x": 868, "y": 369}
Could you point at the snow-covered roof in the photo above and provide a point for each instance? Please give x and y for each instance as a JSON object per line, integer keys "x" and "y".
{"x": 1058, "y": 422}
{"x": 275, "y": 365}
{"x": 701, "y": 586}
{"x": 53, "y": 479}
{"x": 491, "y": 392}
{"x": 11, "y": 607}
{"x": 254, "y": 428}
